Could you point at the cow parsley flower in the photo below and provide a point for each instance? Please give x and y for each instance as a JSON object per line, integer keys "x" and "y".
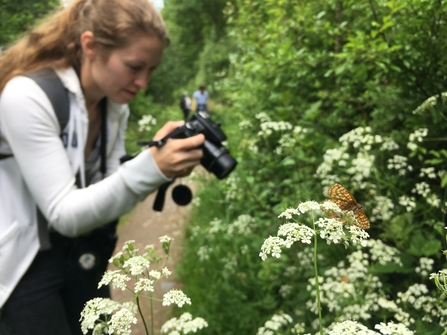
{"x": 121, "y": 321}
{"x": 136, "y": 265}
{"x": 176, "y": 297}
{"x": 295, "y": 232}
{"x": 391, "y": 328}
{"x": 350, "y": 328}
{"x": 115, "y": 278}
{"x": 184, "y": 324}
{"x": 272, "y": 245}
{"x": 144, "y": 285}
{"x": 93, "y": 309}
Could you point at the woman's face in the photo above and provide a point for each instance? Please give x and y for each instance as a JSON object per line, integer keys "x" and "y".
{"x": 123, "y": 72}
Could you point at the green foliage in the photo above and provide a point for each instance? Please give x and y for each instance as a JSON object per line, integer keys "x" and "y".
{"x": 302, "y": 74}
{"x": 144, "y": 105}
{"x": 198, "y": 53}
{"x": 17, "y": 16}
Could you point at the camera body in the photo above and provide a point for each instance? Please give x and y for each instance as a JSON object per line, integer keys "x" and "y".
{"x": 216, "y": 158}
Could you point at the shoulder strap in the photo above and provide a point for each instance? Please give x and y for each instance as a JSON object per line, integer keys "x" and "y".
{"x": 53, "y": 87}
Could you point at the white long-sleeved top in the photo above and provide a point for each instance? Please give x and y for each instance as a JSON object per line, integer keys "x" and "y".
{"x": 42, "y": 172}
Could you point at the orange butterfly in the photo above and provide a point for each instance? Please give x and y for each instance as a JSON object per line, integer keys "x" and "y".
{"x": 346, "y": 202}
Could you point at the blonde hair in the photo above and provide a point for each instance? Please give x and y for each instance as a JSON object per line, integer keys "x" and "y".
{"x": 56, "y": 42}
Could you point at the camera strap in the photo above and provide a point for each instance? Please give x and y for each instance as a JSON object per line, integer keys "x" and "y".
{"x": 181, "y": 195}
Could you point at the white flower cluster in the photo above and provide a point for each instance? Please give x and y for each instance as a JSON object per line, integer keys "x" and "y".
{"x": 348, "y": 292}
{"x": 383, "y": 254}
{"x": 290, "y": 137}
{"x": 354, "y": 328}
{"x": 336, "y": 156}
{"x": 165, "y": 239}
{"x": 305, "y": 257}
{"x": 360, "y": 137}
{"x": 274, "y": 324}
{"x": 391, "y": 328}
{"x": 430, "y": 102}
{"x": 408, "y": 202}
{"x": 122, "y": 316}
{"x": 216, "y": 226}
{"x": 267, "y": 128}
{"x": 330, "y": 229}
{"x": 232, "y": 183}
{"x": 285, "y": 290}
{"x": 433, "y": 200}
{"x": 350, "y": 328}
{"x": 272, "y": 245}
{"x": 136, "y": 265}
{"x": 399, "y": 314}
{"x": 286, "y": 141}
{"x": 429, "y": 172}
{"x": 422, "y": 189}
{"x": 295, "y": 232}
{"x": 245, "y": 124}
{"x": 417, "y": 296}
{"x": 114, "y": 277}
{"x": 176, "y": 297}
{"x": 399, "y": 163}
{"x": 360, "y": 165}
{"x": 416, "y": 137}
{"x": 241, "y": 227}
{"x": 425, "y": 266}
{"x": 146, "y": 123}
{"x": 204, "y": 253}
{"x": 185, "y": 324}
{"x": 131, "y": 265}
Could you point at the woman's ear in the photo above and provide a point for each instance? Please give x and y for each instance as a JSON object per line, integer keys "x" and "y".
{"x": 88, "y": 44}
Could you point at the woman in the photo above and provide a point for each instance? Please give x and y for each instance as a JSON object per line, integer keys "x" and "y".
{"x": 104, "y": 52}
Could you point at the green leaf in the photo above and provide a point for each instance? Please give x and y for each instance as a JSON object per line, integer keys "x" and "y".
{"x": 435, "y": 161}
{"x": 288, "y": 161}
{"x": 444, "y": 181}
{"x": 421, "y": 245}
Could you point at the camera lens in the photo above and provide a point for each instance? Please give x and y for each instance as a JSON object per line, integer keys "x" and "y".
{"x": 223, "y": 166}
{"x": 217, "y": 160}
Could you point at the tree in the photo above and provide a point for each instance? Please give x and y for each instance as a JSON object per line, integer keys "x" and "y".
{"x": 198, "y": 50}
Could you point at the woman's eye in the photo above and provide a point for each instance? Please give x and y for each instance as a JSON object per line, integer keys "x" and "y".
{"x": 134, "y": 68}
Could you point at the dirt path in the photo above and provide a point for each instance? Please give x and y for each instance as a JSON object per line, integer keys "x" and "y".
{"x": 145, "y": 226}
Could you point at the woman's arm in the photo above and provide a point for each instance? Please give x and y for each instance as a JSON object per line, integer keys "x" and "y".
{"x": 32, "y": 131}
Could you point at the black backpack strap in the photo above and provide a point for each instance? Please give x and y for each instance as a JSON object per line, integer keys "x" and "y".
{"x": 52, "y": 85}
{"x": 55, "y": 90}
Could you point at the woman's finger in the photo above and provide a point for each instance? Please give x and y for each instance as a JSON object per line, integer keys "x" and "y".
{"x": 185, "y": 144}
{"x": 168, "y": 128}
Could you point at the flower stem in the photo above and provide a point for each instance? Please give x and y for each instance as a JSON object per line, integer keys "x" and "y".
{"x": 137, "y": 299}
{"x": 317, "y": 285}
{"x": 152, "y": 315}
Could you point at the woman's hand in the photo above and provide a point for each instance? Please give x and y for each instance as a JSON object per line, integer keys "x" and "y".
{"x": 177, "y": 157}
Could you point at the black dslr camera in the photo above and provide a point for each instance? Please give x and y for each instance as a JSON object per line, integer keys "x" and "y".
{"x": 216, "y": 158}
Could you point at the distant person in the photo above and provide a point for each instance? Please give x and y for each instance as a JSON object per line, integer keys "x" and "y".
{"x": 200, "y": 100}
{"x": 185, "y": 105}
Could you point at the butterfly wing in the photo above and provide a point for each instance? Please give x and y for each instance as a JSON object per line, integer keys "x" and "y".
{"x": 346, "y": 202}
{"x": 362, "y": 219}
{"x": 342, "y": 197}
